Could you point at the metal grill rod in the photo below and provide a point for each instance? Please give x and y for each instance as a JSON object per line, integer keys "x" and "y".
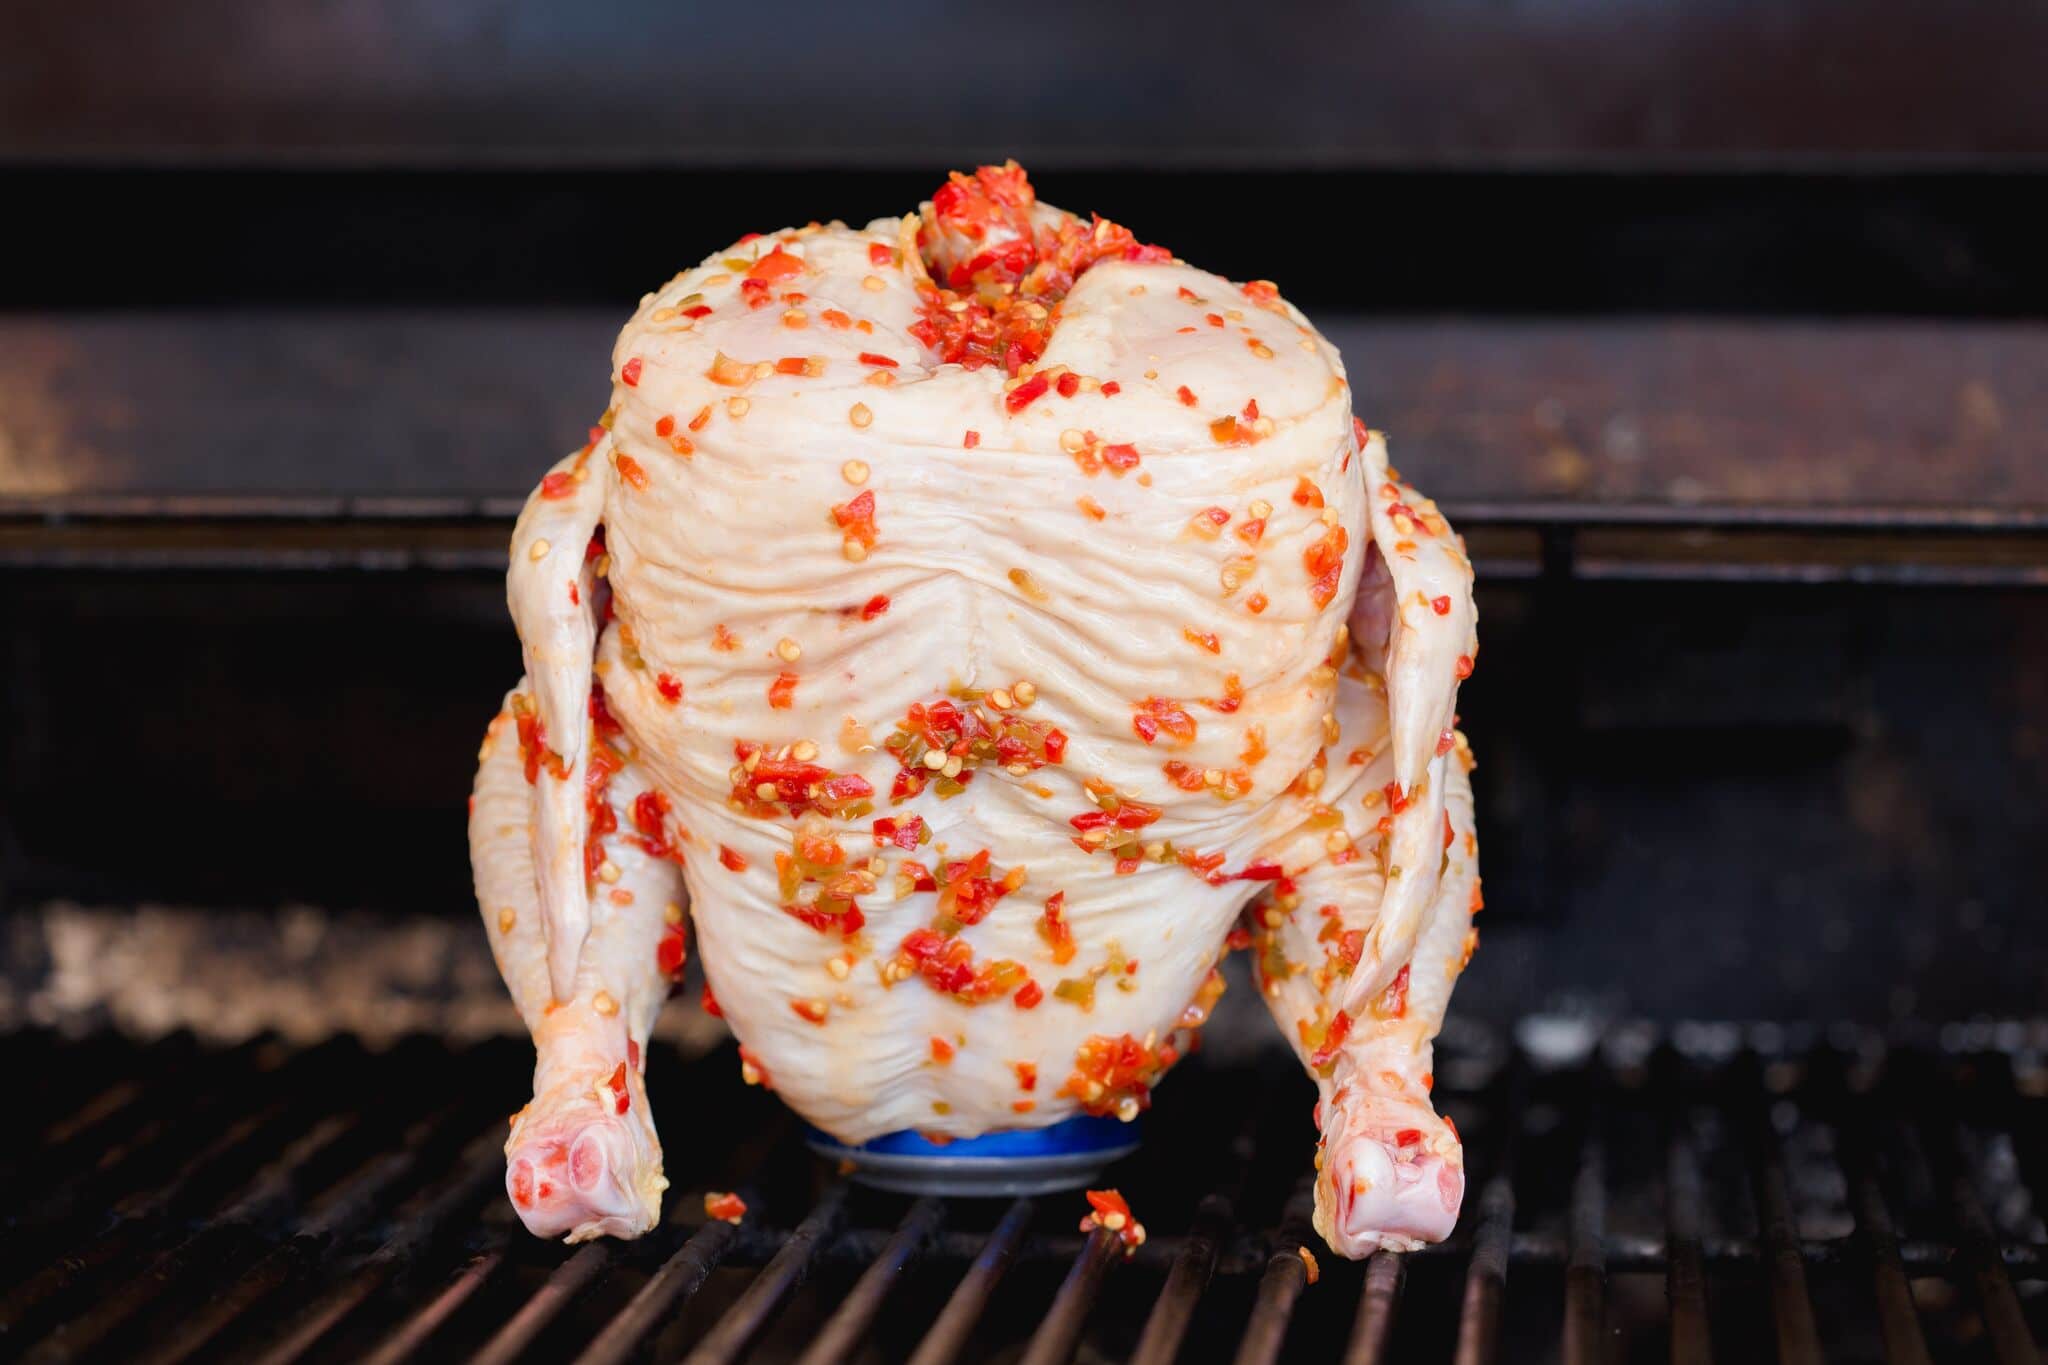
{"x": 1791, "y": 1302}
{"x": 569, "y": 1280}
{"x": 730, "y": 1337}
{"x": 1280, "y": 1287}
{"x": 678, "y": 1280}
{"x": 836, "y": 1341}
{"x": 1167, "y": 1325}
{"x": 1977, "y": 1252}
{"x": 123, "y": 1228}
{"x": 1053, "y": 1343}
{"x": 413, "y": 1335}
{"x": 265, "y": 1199}
{"x": 477, "y": 1177}
{"x": 349, "y": 1207}
{"x": 1376, "y": 1308}
{"x": 950, "y": 1330}
{"x": 1686, "y": 1274}
{"x": 1194, "y": 1264}
{"x": 1585, "y": 1276}
{"x": 1898, "y": 1320}
{"x": 1487, "y": 1276}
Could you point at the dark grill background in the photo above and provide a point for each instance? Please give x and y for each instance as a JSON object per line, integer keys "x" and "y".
{"x": 1717, "y": 328}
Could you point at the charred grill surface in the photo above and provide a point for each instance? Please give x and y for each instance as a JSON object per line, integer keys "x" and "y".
{"x": 1711, "y": 1195}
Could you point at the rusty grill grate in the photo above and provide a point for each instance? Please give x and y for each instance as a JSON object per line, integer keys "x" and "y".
{"x": 1715, "y": 1195}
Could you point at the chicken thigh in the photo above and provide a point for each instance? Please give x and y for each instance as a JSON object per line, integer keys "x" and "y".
{"x": 980, "y": 612}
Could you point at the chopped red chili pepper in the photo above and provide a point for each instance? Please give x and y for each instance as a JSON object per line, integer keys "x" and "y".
{"x": 632, "y": 473}
{"x": 726, "y": 1208}
{"x": 1156, "y": 714}
{"x": 1393, "y": 1002}
{"x": 1464, "y": 667}
{"x": 621, "y": 1101}
{"x": 1333, "y": 1038}
{"x": 947, "y": 964}
{"x": 557, "y": 485}
{"x": 1325, "y": 563}
{"x": 876, "y": 605}
{"x": 671, "y": 690}
{"x": 965, "y": 738}
{"x": 629, "y": 372}
{"x": 1027, "y": 998}
{"x": 1053, "y": 928}
{"x": 1306, "y": 494}
{"x": 870, "y": 358}
{"x": 776, "y": 265}
{"x": 856, "y": 517}
{"x": 1021, "y": 397}
{"x": 782, "y": 692}
{"x": 1110, "y": 1211}
{"x": 996, "y": 295}
{"x": 905, "y": 832}
{"x": 1440, "y": 605}
{"x": 671, "y": 952}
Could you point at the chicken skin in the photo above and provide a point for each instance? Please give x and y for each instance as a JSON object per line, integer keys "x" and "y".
{"x": 990, "y": 620}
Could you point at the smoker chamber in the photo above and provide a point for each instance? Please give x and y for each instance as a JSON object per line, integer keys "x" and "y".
{"x": 1715, "y": 1194}
{"x": 1717, "y": 326}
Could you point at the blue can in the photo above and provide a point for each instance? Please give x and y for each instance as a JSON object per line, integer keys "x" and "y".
{"x": 1068, "y": 1155}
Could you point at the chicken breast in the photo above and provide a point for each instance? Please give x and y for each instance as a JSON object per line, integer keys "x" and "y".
{"x": 964, "y": 605}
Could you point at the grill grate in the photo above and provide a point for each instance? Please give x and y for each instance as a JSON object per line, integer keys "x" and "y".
{"x": 1724, "y": 1197}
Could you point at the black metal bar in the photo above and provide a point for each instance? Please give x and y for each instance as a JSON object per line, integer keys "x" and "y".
{"x": 1060, "y": 1331}
{"x": 346, "y": 1208}
{"x": 569, "y": 1280}
{"x": 1486, "y": 1279}
{"x": 744, "y": 1320}
{"x": 843, "y": 1331}
{"x": 1978, "y": 1253}
{"x": 1898, "y": 1321}
{"x": 1172, "y": 1313}
{"x": 1585, "y": 1275}
{"x": 1791, "y": 1303}
{"x": 1280, "y": 1287}
{"x": 1686, "y": 1275}
{"x": 273, "y": 1190}
{"x": 955, "y": 1322}
{"x": 679, "y": 1278}
{"x": 1971, "y": 519}
{"x": 413, "y": 1334}
{"x": 1376, "y": 1308}
{"x": 117, "y": 1234}
{"x": 478, "y": 1174}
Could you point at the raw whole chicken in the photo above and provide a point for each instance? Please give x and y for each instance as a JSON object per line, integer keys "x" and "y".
{"x": 981, "y": 621}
